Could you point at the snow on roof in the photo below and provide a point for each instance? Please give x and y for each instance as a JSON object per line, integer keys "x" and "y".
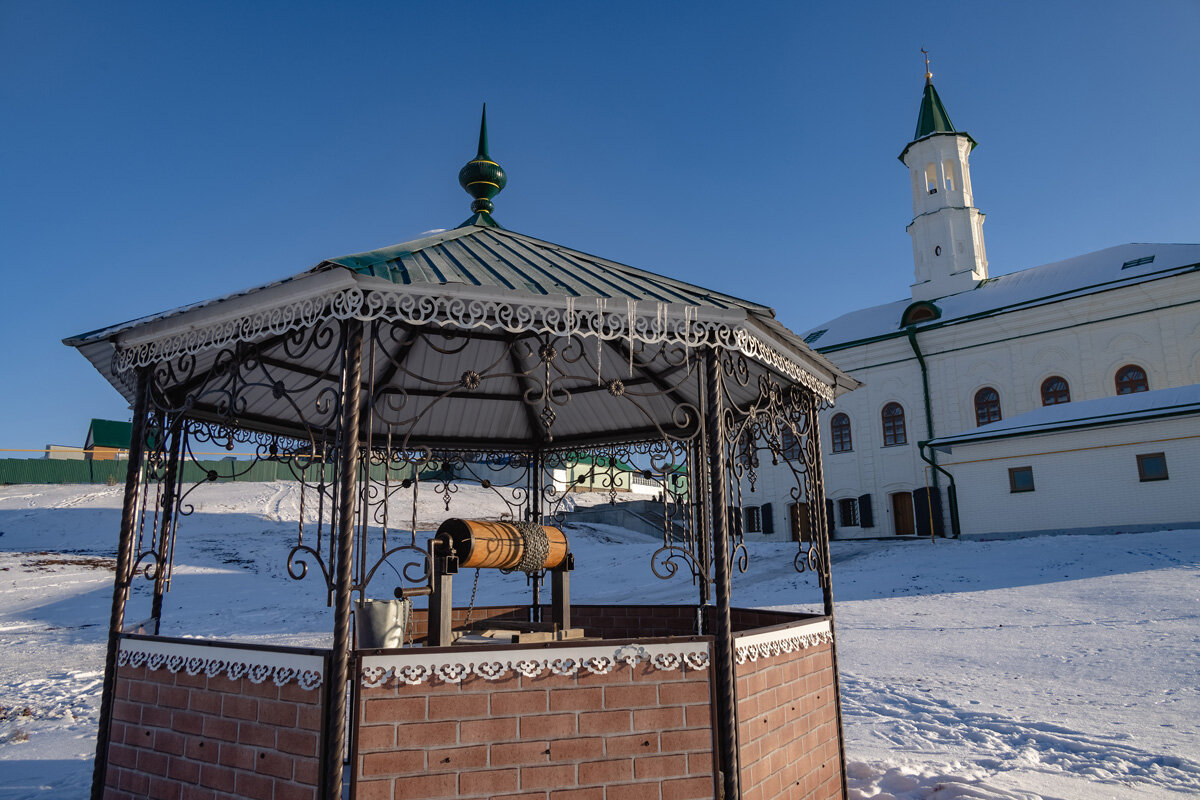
{"x": 1124, "y": 408}
{"x": 1111, "y": 268}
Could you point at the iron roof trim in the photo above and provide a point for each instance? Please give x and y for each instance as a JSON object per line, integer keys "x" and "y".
{"x": 341, "y": 293}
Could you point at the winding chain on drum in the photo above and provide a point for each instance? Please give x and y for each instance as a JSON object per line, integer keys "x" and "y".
{"x": 536, "y": 549}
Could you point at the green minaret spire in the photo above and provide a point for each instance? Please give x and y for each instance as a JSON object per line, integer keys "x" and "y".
{"x": 932, "y": 118}
{"x": 483, "y": 179}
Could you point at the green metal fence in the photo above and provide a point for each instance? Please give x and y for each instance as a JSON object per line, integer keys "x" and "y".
{"x": 49, "y": 470}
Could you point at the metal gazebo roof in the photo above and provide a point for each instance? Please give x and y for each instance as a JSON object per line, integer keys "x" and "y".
{"x": 496, "y": 285}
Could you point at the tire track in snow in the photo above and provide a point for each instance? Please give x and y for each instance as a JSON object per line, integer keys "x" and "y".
{"x": 273, "y": 507}
{"x": 1003, "y": 743}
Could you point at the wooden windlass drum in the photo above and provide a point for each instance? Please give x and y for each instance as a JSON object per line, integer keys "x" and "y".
{"x": 523, "y": 546}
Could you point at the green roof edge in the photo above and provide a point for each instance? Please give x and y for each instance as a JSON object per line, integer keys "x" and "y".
{"x": 1097, "y": 421}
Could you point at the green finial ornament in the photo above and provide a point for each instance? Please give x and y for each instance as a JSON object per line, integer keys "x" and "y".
{"x": 482, "y": 178}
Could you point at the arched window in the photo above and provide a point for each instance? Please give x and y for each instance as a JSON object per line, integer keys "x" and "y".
{"x": 840, "y": 425}
{"x": 790, "y": 445}
{"x": 987, "y": 406}
{"x": 948, "y": 170}
{"x": 1055, "y": 390}
{"x": 1132, "y": 378}
{"x": 893, "y": 425}
{"x": 931, "y": 180}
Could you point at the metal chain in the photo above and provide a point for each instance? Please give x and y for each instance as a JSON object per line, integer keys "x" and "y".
{"x": 471, "y": 605}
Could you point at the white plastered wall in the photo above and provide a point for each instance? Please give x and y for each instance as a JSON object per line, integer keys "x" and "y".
{"x": 1083, "y": 480}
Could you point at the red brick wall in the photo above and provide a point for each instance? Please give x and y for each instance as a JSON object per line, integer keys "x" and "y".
{"x": 420, "y": 619}
{"x": 609, "y": 622}
{"x": 630, "y": 622}
{"x": 617, "y": 622}
{"x": 787, "y": 726}
{"x": 186, "y": 737}
{"x": 636, "y": 733}
{"x": 745, "y": 619}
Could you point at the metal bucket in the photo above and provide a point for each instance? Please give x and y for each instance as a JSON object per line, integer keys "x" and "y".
{"x": 382, "y": 623}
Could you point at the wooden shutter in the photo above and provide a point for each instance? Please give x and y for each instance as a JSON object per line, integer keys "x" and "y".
{"x": 829, "y": 523}
{"x": 866, "y": 517}
{"x": 768, "y": 519}
{"x": 927, "y": 507}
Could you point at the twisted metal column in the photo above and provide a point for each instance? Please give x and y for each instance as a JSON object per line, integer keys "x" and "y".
{"x": 726, "y": 705}
{"x": 123, "y": 578}
{"x": 335, "y": 712}
{"x": 167, "y": 523}
{"x": 825, "y": 576}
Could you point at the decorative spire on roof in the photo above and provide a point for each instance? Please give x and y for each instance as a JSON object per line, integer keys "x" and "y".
{"x": 932, "y": 117}
{"x": 483, "y": 179}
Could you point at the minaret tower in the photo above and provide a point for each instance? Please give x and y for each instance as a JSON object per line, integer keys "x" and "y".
{"x": 947, "y": 229}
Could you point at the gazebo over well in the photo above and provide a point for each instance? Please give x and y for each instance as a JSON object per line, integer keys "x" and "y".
{"x": 500, "y": 357}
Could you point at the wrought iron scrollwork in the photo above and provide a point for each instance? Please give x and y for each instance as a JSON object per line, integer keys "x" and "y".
{"x": 415, "y": 379}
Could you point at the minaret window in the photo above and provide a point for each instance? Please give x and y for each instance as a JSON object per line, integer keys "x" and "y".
{"x": 893, "y": 425}
{"x": 1132, "y": 379}
{"x": 948, "y": 168}
{"x": 931, "y": 178}
{"x": 1055, "y": 390}
{"x": 987, "y": 406}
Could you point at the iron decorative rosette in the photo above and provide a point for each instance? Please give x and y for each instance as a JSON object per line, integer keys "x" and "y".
{"x": 648, "y": 322}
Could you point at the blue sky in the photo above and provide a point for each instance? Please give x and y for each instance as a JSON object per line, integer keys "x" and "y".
{"x": 155, "y": 154}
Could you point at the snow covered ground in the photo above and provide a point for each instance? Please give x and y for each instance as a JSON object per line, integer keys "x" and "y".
{"x": 1053, "y": 667}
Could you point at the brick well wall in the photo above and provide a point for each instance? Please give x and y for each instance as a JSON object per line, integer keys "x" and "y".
{"x": 629, "y": 622}
{"x": 608, "y": 622}
{"x": 636, "y": 733}
{"x": 745, "y": 619}
{"x": 617, "y": 621}
{"x": 787, "y": 726}
{"x": 420, "y": 617}
{"x": 192, "y": 737}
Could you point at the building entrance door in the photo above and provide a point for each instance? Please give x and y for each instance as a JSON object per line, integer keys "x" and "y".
{"x": 800, "y": 526}
{"x": 902, "y": 514}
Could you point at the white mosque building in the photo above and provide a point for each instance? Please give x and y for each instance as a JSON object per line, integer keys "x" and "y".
{"x": 1062, "y": 397}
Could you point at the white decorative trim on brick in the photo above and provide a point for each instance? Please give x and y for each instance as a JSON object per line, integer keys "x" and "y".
{"x": 193, "y": 659}
{"x": 491, "y": 665}
{"x": 752, "y": 647}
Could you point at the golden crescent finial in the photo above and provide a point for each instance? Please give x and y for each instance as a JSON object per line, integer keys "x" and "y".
{"x": 928, "y": 74}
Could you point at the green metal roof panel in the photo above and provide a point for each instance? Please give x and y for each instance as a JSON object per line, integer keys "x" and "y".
{"x": 933, "y": 120}
{"x": 491, "y": 256}
{"x": 933, "y": 117}
{"x": 110, "y": 433}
